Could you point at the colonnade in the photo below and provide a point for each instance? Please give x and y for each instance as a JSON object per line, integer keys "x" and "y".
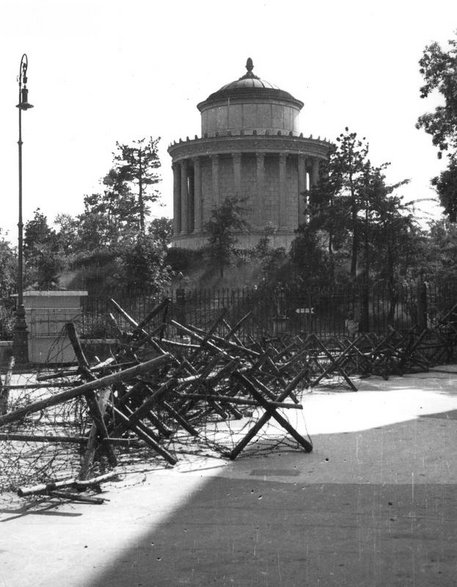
{"x": 187, "y": 187}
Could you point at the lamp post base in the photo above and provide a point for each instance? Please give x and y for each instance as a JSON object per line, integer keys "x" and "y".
{"x": 20, "y": 342}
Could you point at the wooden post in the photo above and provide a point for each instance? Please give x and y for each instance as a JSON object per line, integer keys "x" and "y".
{"x": 136, "y": 326}
{"x": 264, "y": 419}
{"x": 77, "y": 483}
{"x": 96, "y": 409}
{"x": 158, "y": 308}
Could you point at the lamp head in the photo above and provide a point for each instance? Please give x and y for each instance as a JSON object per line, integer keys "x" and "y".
{"x": 24, "y": 100}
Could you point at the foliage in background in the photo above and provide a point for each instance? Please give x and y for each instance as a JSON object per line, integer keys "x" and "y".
{"x": 356, "y": 226}
{"x": 135, "y": 170}
{"x": 8, "y": 267}
{"x": 110, "y": 244}
{"x": 43, "y": 259}
{"x": 223, "y": 227}
{"x": 440, "y": 250}
{"x": 161, "y": 229}
{"x": 144, "y": 266}
{"x": 183, "y": 260}
{"x": 271, "y": 259}
{"x": 439, "y": 70}
{"x": 446, "y": 186}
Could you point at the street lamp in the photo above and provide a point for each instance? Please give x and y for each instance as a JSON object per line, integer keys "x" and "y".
{"x": 20, "y": 344}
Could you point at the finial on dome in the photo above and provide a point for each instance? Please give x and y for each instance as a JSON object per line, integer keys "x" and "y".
{"x": 249, "y": 67}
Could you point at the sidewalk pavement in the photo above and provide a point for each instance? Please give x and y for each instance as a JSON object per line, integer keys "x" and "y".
{"x": 374, "y": 504}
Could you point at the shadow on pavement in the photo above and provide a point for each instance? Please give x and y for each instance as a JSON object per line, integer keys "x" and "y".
{"x": 252, "y": 531}
{"x": 241, "y": 532}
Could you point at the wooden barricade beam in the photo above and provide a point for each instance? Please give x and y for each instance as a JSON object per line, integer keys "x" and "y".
{"x": 336, "y": 364}
{"x": 270, "y": 412}
{"x": 76, "y": 483}
{"x": 96, "y": 408}
{"x": 59, "y": 398}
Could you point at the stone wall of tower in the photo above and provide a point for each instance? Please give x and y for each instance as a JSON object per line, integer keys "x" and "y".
{"x": 207, "y": 189}
{"x": 269, "y": 172}
{"x": 250, "y": 148}
{"x": 273, "y": 116}
{"x": 271, "y": 204}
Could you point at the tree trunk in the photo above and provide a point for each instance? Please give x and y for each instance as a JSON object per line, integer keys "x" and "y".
{"x": 365, "y": 306}
{"x": 393, "y": 296}
{"x": 331, "y": 259}
{"x": 355, "y": 251}
{"x": 140, "y": 191}
{"x": 355, "y": 231}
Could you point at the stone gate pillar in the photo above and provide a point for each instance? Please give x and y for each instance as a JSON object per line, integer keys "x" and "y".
{"x": 47, "y": 312}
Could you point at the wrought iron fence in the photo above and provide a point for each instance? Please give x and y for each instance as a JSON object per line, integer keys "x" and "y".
{"x": 291, "y": 309}
{"x": 324, "y": 312}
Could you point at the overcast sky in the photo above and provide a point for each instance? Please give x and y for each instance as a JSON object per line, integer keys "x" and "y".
{"x": 102, "y": 71}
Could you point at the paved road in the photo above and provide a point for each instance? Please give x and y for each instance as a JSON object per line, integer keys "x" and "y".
{"x": 374, "y": 504}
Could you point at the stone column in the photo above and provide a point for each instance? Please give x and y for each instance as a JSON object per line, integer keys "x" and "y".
{"x": 176, "y": 199}
{"x": 237, "y": 173}
{"x": 302, "y": 199}
{"x": 215, "y": 174}
{"x": 184, "y": 198}
{"x": 282, "y": 191}
{"x": 197, "y": 195}
{"x": 315, "y": 172}
{"x": 259, "y": 213}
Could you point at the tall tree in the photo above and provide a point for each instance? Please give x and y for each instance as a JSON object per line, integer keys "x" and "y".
{"x": 121, "y": 206}
{"x": 136, "y": 168}
{"x": 223, "y": 227}
{"x": 111, "y": 230}
{"x": 439, "y": 256}
{"x": 391, "y": 235}
{"x": 353, "y": 214}
{"x": 438, "y": 67}
{"x": 43, "y": 260}
{"x": 67, "y": 233}
{"x": 271, "y": 259}
{"x": 348, "y": 166}
{"x": 385, "y": 221}
{"x": 310, "y": 261}
{"x": 8, "y": 267}
{"x": 37, "y": 232}
{"x": 327, "y": 218}
{"x": 105, "y": 222}
{"x": 446, "y": 187}
{"x": 104, "y": 232}
{"x": 336, "y": 204}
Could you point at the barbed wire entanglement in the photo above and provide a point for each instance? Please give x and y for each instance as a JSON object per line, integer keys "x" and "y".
{"x": 39, "y": 446}
{"x": 165, "y": 391}
{"x": 29, "y": 449}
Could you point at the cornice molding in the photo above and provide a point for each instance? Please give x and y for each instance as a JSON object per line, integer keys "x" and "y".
{"x": 228, "y": 144}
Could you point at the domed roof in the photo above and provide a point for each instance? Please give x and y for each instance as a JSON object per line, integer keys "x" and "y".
{"x": 248, "y": 80}
{"x": 247, "y": 87}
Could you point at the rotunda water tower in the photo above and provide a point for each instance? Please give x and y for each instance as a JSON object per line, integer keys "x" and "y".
{"x": 250, "y": 148}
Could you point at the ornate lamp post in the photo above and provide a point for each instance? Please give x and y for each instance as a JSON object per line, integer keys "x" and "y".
{"x": 20, "y": 344}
